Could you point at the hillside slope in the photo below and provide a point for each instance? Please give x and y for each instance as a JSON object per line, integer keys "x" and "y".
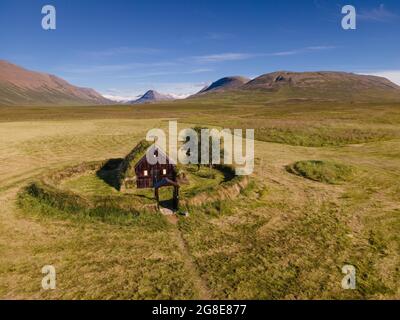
{"x": 19, "y": 86}
{"x": 326, "y": 86}
{"x": 225, "y": 84}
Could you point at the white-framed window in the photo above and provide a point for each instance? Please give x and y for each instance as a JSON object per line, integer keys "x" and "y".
{"x": 145, "y": 173}
{"x": 164, "y": 171}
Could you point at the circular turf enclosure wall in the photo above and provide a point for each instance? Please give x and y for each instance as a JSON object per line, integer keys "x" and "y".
{"x": 91, "y": 189}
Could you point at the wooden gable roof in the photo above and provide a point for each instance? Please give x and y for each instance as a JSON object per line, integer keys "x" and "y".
{"x": 155, "y": 149}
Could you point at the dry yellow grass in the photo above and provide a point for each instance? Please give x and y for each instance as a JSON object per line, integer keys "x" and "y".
{"x": 285, "y": 237}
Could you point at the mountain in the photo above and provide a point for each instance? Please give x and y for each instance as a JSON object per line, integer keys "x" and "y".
{"x": 19, "y": 86}
{"x": 319, "y": 80}
{"x": 325, "y": 85}
{"x": 225, "y": 84}
{"x": 152, "y": 96}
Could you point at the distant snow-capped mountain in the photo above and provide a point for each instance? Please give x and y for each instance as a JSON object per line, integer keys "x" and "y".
{"x": 152, "y": 96}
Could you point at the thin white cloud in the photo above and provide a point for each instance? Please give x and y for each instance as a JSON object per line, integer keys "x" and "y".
{"x": 211, "y": 58}
{"x": 195, "y": 71}
{"x": 380, "y": 14}
{"x": 300, "y": 51}
{"x": 284, "y": 53}
{"x": 223, "y": 57}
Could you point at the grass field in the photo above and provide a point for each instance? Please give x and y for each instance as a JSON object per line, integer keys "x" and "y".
{"x": 286, "y": 236}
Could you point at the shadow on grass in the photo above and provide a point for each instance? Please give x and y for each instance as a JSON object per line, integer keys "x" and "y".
{"x": 168, "y": 204}
{"x": 143, "y": 196}
{"x": 109, "y": 173}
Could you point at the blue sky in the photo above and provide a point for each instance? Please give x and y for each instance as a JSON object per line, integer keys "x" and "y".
{"x": 123, "y": 48}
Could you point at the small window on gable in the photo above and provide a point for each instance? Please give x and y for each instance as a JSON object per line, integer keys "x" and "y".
{"x": 164, "y": 171}
{"x": 145, "y": 173}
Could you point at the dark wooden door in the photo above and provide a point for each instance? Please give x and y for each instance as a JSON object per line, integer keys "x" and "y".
{"x": 155, "y": 173}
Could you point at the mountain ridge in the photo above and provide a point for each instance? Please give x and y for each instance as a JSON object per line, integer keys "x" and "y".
{"x": 321, "y": 85}
{"x": 20, "y": 86}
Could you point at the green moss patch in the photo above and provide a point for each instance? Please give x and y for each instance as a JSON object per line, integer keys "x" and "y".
{"x": 322, "y": 171}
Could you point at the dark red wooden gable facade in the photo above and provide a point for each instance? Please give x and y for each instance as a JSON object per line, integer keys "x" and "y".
{"x": 147, "y": 175}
